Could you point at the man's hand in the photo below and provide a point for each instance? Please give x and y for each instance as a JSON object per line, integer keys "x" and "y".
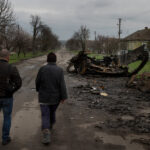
{"x": 63, "y": 101}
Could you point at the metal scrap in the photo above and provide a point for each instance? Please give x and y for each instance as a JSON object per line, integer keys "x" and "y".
{"x": 141, "y": 82}
{"x": 109, "y": 65}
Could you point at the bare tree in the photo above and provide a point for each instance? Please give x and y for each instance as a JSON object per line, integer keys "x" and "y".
{"x": 100, "y": 43}
{"x": 47, "y": 39}
{"x": 22, "y": 42}
{"x": 106, "y": 44}
{"x": 36, "y": 24}
{"x": 6, "y": 14}
{"x": 9, "y": 37}
{"x": 83, "y": 35}
{"x": 73, "y": 43}
{"x": 16, "y": 39}
{"x": 80, "y": 38}
{"x": 6, "y": 19}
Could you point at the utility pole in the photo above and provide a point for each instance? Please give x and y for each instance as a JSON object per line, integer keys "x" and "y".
{"x": 119, "y": 32}
{"x": 119, "y": 25}
{"x": 95, "y": 35}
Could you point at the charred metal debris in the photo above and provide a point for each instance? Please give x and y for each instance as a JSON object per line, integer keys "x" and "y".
{"x": 109, "y": 65}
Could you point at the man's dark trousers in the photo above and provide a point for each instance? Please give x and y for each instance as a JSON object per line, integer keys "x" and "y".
{"x": 48, "y": 115}
{"x": 6, "y": 104}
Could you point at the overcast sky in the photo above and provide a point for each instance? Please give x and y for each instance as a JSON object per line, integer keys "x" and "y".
{"x": 66, "y": 16}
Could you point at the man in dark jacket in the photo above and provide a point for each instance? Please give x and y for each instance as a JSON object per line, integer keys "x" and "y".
{"x": 51, "y": 86}
{"x": 10, "y": 82}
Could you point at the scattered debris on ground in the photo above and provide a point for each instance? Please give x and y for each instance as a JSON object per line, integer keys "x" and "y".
{"x": 129, "y": 109}
{"x": 137, "y": 124}
{"x": 142, "y": 141}
{"x": 141, "y": 82}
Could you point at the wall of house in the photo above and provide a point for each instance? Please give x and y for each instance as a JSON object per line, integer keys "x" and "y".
{"x": 135, "y": 44}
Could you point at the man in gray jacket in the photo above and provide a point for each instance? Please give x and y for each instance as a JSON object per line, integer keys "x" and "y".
{"x": 50, "y": 85}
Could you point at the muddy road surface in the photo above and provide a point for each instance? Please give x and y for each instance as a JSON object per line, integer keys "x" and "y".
{"x": 100, "y": 114}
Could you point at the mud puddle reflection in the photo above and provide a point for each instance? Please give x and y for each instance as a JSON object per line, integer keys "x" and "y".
{"x": 118, "y": 140}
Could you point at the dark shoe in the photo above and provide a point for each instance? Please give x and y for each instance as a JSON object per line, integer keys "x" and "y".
{"x": 51, "y": 126}
{"x": 5, "y": 142}
{"x": 46, "y": 137}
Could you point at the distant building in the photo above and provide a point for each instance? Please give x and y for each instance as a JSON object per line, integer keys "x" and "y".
{"x": 138, "y": 38}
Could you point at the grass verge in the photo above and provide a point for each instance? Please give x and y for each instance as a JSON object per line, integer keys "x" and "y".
{"x": 14, "y": 58}
{"x": 97, "y": 56}
{"x": 134, "y": 65}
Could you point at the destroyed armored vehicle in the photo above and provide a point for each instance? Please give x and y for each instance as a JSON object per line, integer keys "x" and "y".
{"x": 109, "y": 65}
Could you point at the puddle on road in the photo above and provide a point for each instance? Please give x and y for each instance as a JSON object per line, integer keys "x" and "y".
{"x": 33, "y": 89}
{"x": 86, "y": 125}
{"x": 127, "y": 118}
{"x": 145, "y": 111}
{"x": 45, "y": 64}
{"x": 26, "y": 122}
{"x": 30, "y": 67}
{"x": 118, "y": 140}
{"x": 24, "y": 149}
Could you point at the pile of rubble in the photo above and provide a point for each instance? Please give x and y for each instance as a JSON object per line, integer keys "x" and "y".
{"x": 141, "y": 82}
{"x": 112, "y": 96}
{"x": 109, "y": 65}
{"x": 138, "y": 124}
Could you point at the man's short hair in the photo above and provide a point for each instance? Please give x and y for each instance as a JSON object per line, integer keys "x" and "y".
{"x": 51, "y": 57}
{"x": 4, "y": 53}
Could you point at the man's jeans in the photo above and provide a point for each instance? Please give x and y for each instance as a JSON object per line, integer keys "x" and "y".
{"x": 48, "y": 115}
{"x": 6, "y": 104}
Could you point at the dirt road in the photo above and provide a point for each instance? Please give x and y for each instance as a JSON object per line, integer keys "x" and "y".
{"x": 78, "y": 127}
